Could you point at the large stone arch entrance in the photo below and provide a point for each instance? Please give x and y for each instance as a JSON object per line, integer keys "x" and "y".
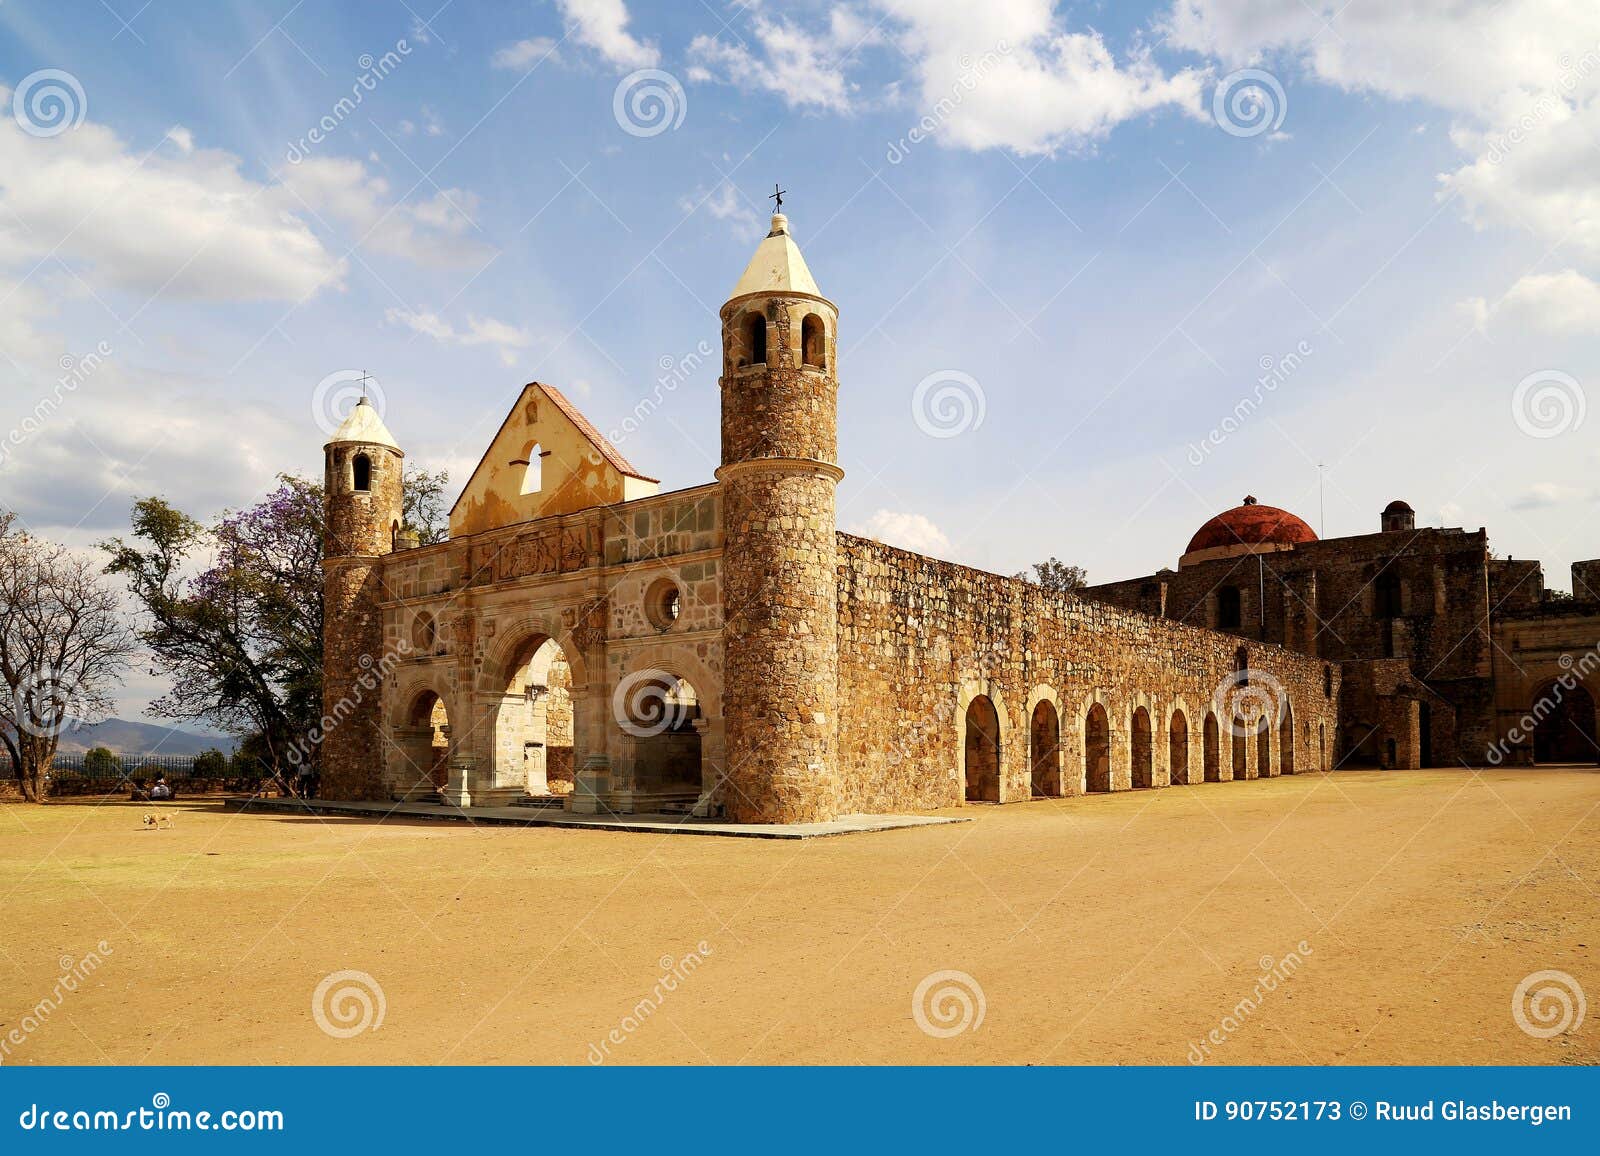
{"x": 1565, "y": 731}
{"x": 532, "y": 724}
{"x": 663, "y": 720}
{"x": 420, "y": 760}
{"x": 1286, "y": 741}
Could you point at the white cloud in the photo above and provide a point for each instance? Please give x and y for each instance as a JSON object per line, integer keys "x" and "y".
{"x": 1559, "y": 303}
{"x": 907, "y": 530}
{"x": 435, "y": 231}
{"x": 1521, "y": 76}
{"x": 1009, "y": 74}
{"x": 603, "y": 26}
{"x": 185, "y": 222}
{"x": 504, "y": 337}
{"x": 525, "y": 53}
{"x": 1005, "y": 74}
{"x": 189, "y": 225}
{"x": 806, "y": 69}
{"x": 725, "y": 204}
{"x": 1545, "y": 494}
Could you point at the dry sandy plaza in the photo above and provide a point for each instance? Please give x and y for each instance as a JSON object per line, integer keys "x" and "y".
{"x": 1358, "y": 917}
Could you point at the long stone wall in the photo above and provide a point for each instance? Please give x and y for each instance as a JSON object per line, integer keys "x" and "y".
{"x": 920, "y": 639}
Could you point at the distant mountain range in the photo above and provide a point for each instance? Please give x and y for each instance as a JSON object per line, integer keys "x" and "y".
{"x": 137, "y": 738}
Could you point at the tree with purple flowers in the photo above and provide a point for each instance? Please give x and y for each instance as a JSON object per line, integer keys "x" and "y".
{"x": 233, "y": 611}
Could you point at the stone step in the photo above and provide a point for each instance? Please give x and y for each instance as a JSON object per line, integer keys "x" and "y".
{"x": 556, "y": 801}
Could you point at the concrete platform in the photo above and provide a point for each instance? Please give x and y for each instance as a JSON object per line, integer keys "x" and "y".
{"x": 539, "y": 817}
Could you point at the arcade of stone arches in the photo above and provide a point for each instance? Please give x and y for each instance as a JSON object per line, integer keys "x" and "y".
{"x": 1111, "y": 753}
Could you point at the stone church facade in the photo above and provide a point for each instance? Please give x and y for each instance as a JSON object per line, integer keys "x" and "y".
{"x": 582, "y": 640}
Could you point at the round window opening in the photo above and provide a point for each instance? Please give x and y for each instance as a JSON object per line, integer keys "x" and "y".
{"x": 663, "y": 603}
{"x": 424, "y": 632}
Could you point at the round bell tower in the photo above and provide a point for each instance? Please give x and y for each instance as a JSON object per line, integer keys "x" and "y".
{"x": 362, "y": 505}
{"x": 780, "y": 592}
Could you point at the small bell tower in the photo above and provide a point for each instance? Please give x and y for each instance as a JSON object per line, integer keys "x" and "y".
{"x": 362, "y": 503}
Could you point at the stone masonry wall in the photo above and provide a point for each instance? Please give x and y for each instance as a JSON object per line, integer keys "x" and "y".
{"x": 920, "y": 638}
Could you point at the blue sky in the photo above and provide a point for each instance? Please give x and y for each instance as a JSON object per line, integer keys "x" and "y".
{"x": 1398, "y": 211}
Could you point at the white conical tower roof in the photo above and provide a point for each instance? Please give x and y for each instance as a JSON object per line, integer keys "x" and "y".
{"x": 777, "y": 266}
{"x": 364, "y": 425}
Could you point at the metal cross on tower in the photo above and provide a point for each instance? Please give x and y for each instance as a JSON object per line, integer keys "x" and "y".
{"x": 777, "y": 195}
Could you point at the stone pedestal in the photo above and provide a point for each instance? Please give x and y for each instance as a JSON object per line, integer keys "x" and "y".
{"x": 592, "y": 793}
{"x": 463, "y": 781}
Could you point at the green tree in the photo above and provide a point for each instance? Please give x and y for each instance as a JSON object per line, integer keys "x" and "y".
{"x": 212, "y": 764}
{"x": 422, "y": 508}
{"x": 232, "y": 613}
{"x": 1054, "y": 574}
{"x": 101, "y": 763}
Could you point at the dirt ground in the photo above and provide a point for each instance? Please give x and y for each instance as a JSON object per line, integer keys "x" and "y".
{"x": 1393, "y": 914}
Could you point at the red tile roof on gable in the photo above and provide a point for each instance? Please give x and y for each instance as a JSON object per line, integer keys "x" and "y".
{"x": 597, "y": 439}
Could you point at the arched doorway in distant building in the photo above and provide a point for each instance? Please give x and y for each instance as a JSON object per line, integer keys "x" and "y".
{"x": 1565, "y": 731}
{"x": 983, "y": 751}
{"x": 1211, "y": 749}
{"x": 1044, "y": 750}
{"x": 1097, "y": 750}
{"x": 1143, "y": 749}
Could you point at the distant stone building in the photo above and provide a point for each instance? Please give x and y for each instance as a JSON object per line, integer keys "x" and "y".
{"x": 583, "y": 640}
{"x": 1449, "y": 655}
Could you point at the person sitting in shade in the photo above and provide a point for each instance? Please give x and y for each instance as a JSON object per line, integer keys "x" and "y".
{"x": 161, "y": 790}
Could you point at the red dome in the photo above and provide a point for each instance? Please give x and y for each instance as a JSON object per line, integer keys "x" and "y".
{"x": 1251, "y": 524}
